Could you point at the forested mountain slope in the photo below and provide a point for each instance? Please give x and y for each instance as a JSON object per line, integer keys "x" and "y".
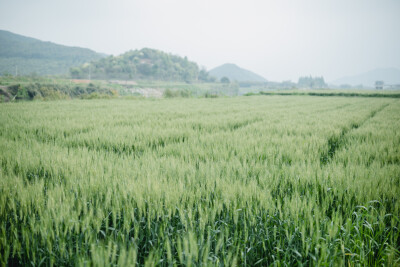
{"x": 24, "y": 55}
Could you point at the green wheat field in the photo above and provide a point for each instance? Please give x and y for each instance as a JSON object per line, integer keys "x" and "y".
{"x": 245, "y": 181}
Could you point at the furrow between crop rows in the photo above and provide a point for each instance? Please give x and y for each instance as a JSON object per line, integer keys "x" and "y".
{"x": 335, "y": 142}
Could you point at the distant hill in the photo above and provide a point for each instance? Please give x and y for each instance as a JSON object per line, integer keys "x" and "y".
{"x": 31, "y": 55}
{"x": 146, "y": 63}
{"x": 235, "y": 73}
{"x": 388, "y": 75}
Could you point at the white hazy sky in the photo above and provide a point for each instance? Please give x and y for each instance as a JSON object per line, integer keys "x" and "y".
{"x": 281, "y": 40}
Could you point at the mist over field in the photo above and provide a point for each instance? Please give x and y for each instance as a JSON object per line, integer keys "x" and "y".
{"x": 199, "y": 133}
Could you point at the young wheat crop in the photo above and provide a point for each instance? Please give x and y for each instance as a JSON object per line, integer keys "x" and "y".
{"x": 242, "y": 181}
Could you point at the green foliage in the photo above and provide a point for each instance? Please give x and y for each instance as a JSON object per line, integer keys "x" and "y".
{"x": 205, "y": 77}
{"x": 149, "y": 64}
{"x": 40, "y": 87}
{"x": 224, "y": 89}
{"x": 26, "y": 55}
{"x": 193, "y": 89}
{"x": 168, "y": 93}
{"x": 211, "y": 95}
{"x": 201, "y": 182}
{"x": 347, "y": 93}
{"x": 96, "y": 95}
{"x": 310, "y": 82}
{"x": 225, "y": 80}
{"x": 45, "y": 90}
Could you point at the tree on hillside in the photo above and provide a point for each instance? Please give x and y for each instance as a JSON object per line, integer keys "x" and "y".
{"x": 225, "y": 80}
{"x": 203, "y": 75}
{"x": 310, "y": 82}
{"x": 146, "y": 64}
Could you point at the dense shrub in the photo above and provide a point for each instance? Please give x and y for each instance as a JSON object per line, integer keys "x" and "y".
{"x": 47, "y": 91}
{"x": 177, "y": 93}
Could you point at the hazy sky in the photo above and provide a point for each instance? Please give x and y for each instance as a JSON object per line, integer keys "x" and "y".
{"x": 280, "y": 40}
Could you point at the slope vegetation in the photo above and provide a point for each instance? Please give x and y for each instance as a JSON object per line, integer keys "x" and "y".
{"x": 24, "y": 55}
{"x": 149, "y": 64}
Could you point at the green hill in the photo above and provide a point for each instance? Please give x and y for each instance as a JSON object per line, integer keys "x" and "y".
{"x": 235, "y": 73}
{"x": 148, "y": 64}
{"x": 28, "y": 55}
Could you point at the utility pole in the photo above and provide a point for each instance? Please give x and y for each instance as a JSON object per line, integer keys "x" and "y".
{"x": 89, "y": 71}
